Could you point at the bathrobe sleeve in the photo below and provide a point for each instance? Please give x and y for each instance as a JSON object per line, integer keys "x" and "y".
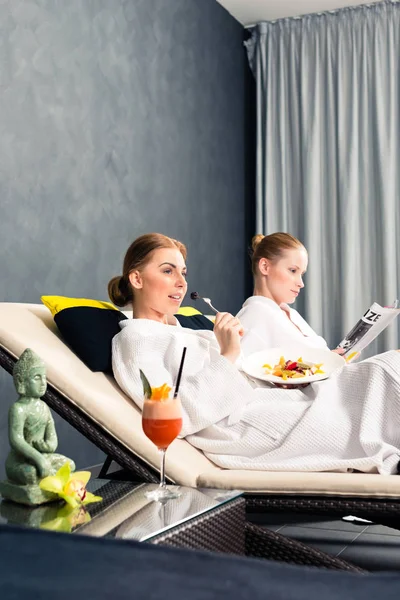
{"x": 211, "y": 387}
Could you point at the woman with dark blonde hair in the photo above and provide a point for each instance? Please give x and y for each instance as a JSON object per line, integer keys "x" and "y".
{"x": 349, "y": 421}
{"x": 144, "y": 294}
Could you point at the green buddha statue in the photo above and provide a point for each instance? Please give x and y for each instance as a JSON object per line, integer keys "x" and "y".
{"x": 32, "y": 435}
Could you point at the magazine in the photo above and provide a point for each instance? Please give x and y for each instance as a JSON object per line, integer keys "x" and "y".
{"x": 375, "y": 320}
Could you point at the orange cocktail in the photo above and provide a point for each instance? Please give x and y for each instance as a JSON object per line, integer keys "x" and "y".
{"x": 162, "y": 421}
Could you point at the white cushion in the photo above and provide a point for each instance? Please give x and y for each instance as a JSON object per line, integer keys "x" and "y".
{"x": 363, "y": 485}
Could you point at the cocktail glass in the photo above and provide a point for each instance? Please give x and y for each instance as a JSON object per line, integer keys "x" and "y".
{"x": 162, "y": 423}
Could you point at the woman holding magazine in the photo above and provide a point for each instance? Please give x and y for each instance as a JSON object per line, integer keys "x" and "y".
{"x": 279, "y": 262}
{"x": 349, "y": 421}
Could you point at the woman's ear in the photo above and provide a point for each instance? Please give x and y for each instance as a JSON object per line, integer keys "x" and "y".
{"x": 263, "y": 265}
{"x": 135, "y": 280}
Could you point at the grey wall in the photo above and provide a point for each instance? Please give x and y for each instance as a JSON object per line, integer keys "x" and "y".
{"x": 119, "y": 118}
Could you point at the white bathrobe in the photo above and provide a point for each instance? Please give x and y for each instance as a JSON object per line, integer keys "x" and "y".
{"x": 267, "y": 326}
{"x": 349, "y": 421}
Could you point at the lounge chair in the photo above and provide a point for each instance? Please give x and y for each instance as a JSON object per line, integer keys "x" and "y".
{"x": 95, "y": 406}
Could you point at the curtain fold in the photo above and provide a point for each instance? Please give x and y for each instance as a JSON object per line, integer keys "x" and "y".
{"x": 328, "y": 156}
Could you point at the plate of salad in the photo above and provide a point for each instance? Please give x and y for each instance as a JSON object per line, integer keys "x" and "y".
{"x": 293, "y": 365}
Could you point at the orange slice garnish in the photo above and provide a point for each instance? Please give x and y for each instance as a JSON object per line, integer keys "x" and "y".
{"x": 160, "y": 393}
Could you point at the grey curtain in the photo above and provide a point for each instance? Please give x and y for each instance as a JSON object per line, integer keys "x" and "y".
{"x": 328, "y": 156}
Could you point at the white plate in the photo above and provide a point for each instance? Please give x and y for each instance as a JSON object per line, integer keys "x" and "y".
{"x": 252, "y": 365}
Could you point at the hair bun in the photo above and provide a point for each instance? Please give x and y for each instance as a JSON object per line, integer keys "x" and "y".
{"x": 256, "y": 240}
{"x": 118, "y": 291}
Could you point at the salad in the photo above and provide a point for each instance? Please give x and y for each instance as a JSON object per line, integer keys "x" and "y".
{"x": 293, "y": 369}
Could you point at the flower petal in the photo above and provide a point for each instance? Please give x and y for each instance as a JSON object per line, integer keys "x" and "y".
{"x": 83, "y": 476}
{"x": 64, "y": 472}
{"x": 51, "y": 484}
{"x": 91, "y": 498}
{"x": 65, "y": 511}
{"x": 73, "y": 502}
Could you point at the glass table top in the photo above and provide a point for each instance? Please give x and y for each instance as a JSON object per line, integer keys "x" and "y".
{"x": 124, "y": 512}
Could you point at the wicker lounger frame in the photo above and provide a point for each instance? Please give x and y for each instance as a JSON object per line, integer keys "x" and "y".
{"x": 379, "y": 510}
{"x": 224, "y": 529}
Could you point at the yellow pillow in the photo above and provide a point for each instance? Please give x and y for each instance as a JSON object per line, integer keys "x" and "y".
{"x": 56, "y": 304}
{"x": 188, "y": 311}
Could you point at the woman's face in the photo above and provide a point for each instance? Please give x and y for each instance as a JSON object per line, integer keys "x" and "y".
{"x": 284, "y": 277}
{"x": 160, "y": 286}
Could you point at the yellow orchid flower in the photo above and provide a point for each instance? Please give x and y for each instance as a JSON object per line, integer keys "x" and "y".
{"x": 71, "y": 487}
{"x": 160, "y": 393}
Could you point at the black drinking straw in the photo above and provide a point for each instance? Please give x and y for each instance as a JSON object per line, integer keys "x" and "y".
{"x": 178, "y": 380}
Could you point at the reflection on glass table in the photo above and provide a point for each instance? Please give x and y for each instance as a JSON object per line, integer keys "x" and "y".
{"x": 137, "y": 517}
{"x": 57, "y": 515}
{"x": 125, "y": 511}
{"x": 156, "y": 517}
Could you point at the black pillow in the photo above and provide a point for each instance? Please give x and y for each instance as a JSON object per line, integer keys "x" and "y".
{"x": 195, "y": 322}
{"x": 89, "y": 332}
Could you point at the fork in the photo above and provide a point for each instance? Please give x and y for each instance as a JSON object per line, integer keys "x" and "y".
{"x": 196, "y": 296}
